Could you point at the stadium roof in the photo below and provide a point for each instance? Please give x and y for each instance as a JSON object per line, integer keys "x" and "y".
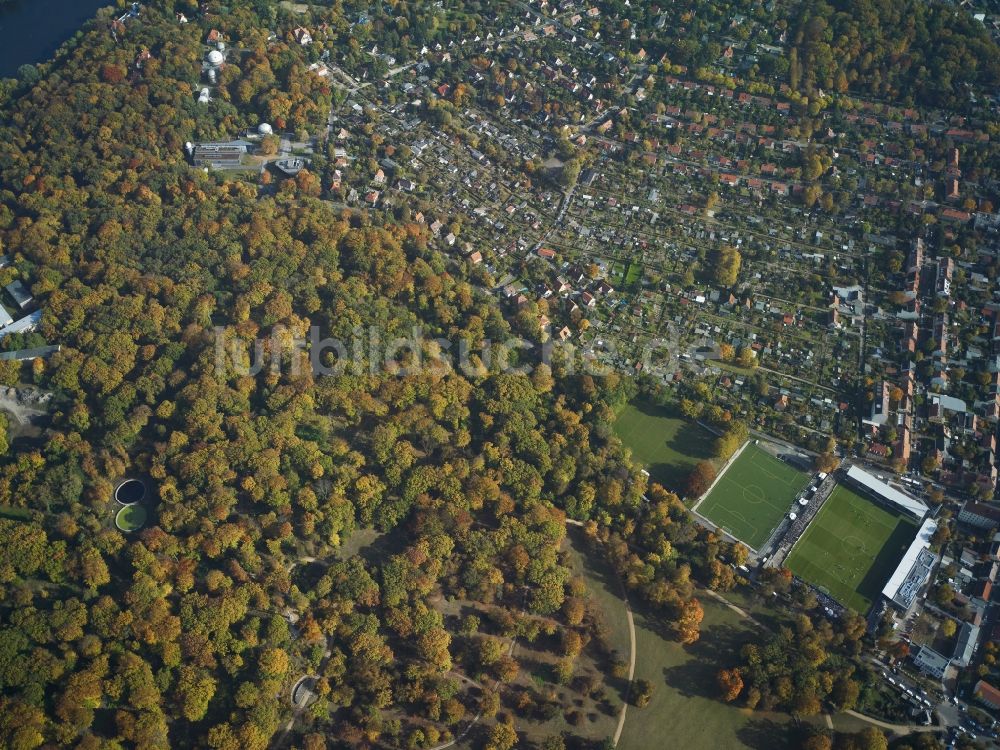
{"x": 890, "y": 494}
{"x": 914, "y": 569}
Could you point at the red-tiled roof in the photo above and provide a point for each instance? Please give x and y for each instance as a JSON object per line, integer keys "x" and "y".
{"x": 987, "y": 693}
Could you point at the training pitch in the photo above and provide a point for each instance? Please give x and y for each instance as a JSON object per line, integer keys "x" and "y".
{"x": 851, "y": 548}
{"x": 752, "y": 496}
{"x": 666, "y": 445}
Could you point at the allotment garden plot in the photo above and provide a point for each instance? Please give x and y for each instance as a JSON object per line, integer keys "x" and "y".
{"x": 851, "y": 548}
{"x": 752, "y": 496}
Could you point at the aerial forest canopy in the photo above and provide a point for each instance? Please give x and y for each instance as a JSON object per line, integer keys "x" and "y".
{"x": 309, "y": 560}
{"x": 193, "y": 630}
{"x": 912, "y": 52}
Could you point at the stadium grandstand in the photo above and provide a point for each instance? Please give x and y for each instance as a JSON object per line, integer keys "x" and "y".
{"x": 913, "y": 571}
{"x": 876, "y": 488}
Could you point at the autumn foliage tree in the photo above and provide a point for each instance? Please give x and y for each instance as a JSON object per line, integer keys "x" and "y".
{"x": 700, "y": 479}
{"x": 642, "y": 693}
{"x": 157, "y": 279}
{"x": 689, "y": 620}
{"x": 730, "y": 684}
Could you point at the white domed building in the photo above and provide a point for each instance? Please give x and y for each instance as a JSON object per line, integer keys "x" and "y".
{"x": 215, "y": 59}
{"x": 264, "y": 129}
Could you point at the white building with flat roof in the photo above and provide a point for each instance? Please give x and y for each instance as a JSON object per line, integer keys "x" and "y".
{"x": 930, "y": 662}
{"x": 25, "y": 324}
{"x": 914, "y": 570}
{"x": 965, "y": 647}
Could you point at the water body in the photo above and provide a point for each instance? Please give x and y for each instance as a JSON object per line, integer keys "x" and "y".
{"x": 32, "y": 30}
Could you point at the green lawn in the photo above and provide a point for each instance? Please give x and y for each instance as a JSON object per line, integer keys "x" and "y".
{"x": 667, "y": 446}
{"x": 753, "y": 495}
{"x": 604, "y": 589}
{"x": 851, "y": 548}
{"x": 131, "y": 518}
{"x": 357, "y": 541}
{"x": 616, "y": 273}
{"x": 685, "y": 711}
{"x": 15, "y": 514}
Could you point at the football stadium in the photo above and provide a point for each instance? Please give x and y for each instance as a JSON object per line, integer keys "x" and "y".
{"x": 868, "y": 540}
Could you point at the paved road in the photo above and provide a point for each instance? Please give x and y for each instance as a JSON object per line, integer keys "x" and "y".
{"x": 21, "y": 403}
{"x": 949, "y": 714}
{"x": 897, "y": 728}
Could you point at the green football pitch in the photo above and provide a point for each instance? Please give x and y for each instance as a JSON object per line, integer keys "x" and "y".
{"x": 851, "y": 548}
{"x": 752, "y": 496}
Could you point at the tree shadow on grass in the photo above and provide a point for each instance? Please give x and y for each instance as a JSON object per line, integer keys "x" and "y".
{"x": 685, "y": 443}
{"x": 769, "y": 619}
{"x": 600, "y": 571}
{"x": 655, "y": 410}
{"x": 886, "y": 560}
{"x": 692, "y": 441}
{"x": 307, "y": 575}
{"x": 718, "y": 648}
{"x": 766, "y": 734}
{"x": 383, "y": 547}
{"x": 670, "y": 476}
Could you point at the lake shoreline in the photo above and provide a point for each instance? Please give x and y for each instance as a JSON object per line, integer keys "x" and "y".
{"x": 32, "y": 31}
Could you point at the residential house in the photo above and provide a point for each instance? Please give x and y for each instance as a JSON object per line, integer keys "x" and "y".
{"x": 980, "y": 515}
{"x": 951, "y": 189}
{"x": 879, "y": 413}
{"x": 987, "y": 694}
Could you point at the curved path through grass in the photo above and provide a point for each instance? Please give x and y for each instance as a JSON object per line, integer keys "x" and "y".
{"x": 631, "y": 667}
